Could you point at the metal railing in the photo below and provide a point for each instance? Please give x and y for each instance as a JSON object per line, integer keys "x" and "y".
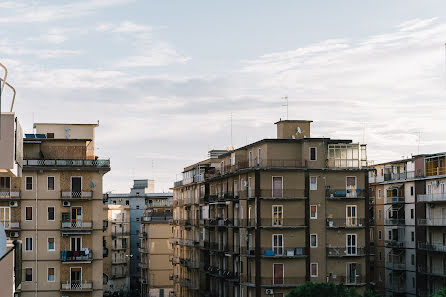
{"x": 119, "y": 260}
{"x": 9, "y": 195}
{"x": 77, "y": 286}
{"x": 432, "y": 222}
{"x": 76, "y": 225}
{"x": 10, "y": 225}
{"x": 156, "y": 218}
{"x": 75, "y": 256}
{"x": 434, "y": 271}
{"x": 395, "y": 243}
{"x": 274, "y": 281}
{"x": 438, "y": 197}
{"x": 343, "y": 251}
{"x": 348, "y": 281}
{"x": 395, "y": 222}
{"x": 346, "y": 223}
{"x": 432, "y": 247}
{"x": 344, "y": 193}
{"x": 76, "y": 195}
{"x": 282, "y": 222}
{"x": 283, "y": 252}
{"x": 395, "y": 200}
{"x": 99, "y": 163}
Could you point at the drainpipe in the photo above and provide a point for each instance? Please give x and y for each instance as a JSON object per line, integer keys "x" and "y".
{"x": 37, "y": 236}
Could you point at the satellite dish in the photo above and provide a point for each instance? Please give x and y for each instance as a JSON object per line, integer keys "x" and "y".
{"x": 2, "y": 241}
{"x": 298, "y": 130}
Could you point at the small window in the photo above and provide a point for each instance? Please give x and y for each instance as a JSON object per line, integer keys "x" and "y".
{"x": 51, "y": 277}
{"x": 313, "y": 183}
{"x": 28, "y": 244}
{"x": 390, "y": 235}
{"x": 380, "y": 256}
{"x": 379, "y": 193}
{"x": 29, "y": 213}
{"x": 28, "y": 274}
{"x": 412, "y": 259}
{"x": 412, "y": 236}
{"x": 29, "y": 183}
{"x": 127, "y": 202}
{"x": 137, "y": 219}
{"x": 51, "y": 244}
{"x": 314, "y": 269}
{"x": 50, "y": 183}
{"x": 313, "y": 154}
{"x": 313, "y": 240}
{"x": 51, "y": 213}
{"x": 313, "y": 211}
{"x": 137, "y": 207}
{"x": 411, "y": 191}
{"x": 411, "y": 213}
{"x": 49, "y": 135}
{"x": 413, "y": 282}
{"x": 379, "y": 235}
{"x": 379, "y": 214}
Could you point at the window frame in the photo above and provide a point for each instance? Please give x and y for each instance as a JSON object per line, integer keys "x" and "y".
{"x": 26, "y": 183}
{"x": 317, "y": 269}
{"x": 311, "y": 235}
{"x": 32, "y": 276}
{"x": 29, "y": 245}
{"x": 48, "y": 274}
{"x": 48, "y": 244}
{"x": 272, "y": 186}
{"x": 48, "y": 182}
{"x": 315, "y": 184}
{"x": 355, "y": 246}
{"x": 315, "y": 216}
{"x": 352, "y": 220}
{"x": 280, "y": 215}
{"x": 48, "y": 213}
{"x": 26, "y": 214}
{"x": 315, "y": 153}
{"x": 278, "y": 247}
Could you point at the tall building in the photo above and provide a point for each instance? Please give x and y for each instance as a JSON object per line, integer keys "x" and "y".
{"x": 136, "y": 199}
{"x": 53, "y": 208}
{"x": 116, "y": 241}
{"x": 410, "y": 237}
{"x": 156, "y": 250}
{"x": 264, "y": 218}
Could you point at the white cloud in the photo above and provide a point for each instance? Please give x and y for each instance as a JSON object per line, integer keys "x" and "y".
{"x": 58, "y": 35}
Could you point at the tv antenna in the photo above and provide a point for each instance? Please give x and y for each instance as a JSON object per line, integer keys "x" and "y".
{"x": 286, "y": 104}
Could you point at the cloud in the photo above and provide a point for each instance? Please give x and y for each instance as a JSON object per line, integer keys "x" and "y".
{"x": 58, "y": 35}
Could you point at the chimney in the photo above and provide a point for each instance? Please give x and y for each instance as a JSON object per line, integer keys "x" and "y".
{"x": 293, "y": 129}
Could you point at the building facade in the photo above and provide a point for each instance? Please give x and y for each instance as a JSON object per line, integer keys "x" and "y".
{"x": 264, "y": 218}
{"x": 116, "y": 243}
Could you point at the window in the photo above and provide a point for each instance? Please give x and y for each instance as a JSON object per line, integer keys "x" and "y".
{"x": 379, "y": 214}
{"x": 390, "y": 235}
{"x": 380, "y": 276}
{"x": 412, "y": 259}
{"x": 412, "y": 236}
{"x": 277, "y": 187}
{"x": 277, "y": 215}
{"x": 411, "y": 213}
{"x": 127, "y": 202}
{"x": 28, "y": 244}
{"x": 411, "y": 191}
{"x": 29, "y": 213}
{"x": 429, "y": 189}
{"x": 350, "y": 183}
{"x": 379, "y": 234}
{"x": 380, "y": 256}
{"x": 278, "y": 244}
{"x": 313, "y": 183}
{"x": 313, "y": 211}
{"x": 28, "y": 274}
{"x": 379, "y": 193}
{"x": 350, "y": 213}
{"x": 313, "y": 240}
{"x": 259, "y": 151}
{"x": 50, "y": 183}
{"x": 351, "y": 244}
{"x": 278, "y": 274}
{"x": 313, "y": 154}
{"x": 51, "y": 277}
{"x": 51, "y": 244}
{"x": 442, "y": 188}
{"x": 137, "y": 207}
{"x": 5, "y": 184}
{"x": 413, "y": 282}
{"x": 137, "y": 219}
{"x": 250, "y": 159}
{"x": 314, "y": 269}
{"x": 51, "y": 213}
{"x": 351, "y": 273}
{"x": 29, "y": 183}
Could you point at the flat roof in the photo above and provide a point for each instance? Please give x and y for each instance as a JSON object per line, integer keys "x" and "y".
{"x": 78, "y": 124}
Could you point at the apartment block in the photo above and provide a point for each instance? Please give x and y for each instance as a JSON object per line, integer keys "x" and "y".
{"x": 156, "y": 250}
{"x": 50, "y": 207}
{"x": 264, "y": 218}
{"x": 116, "y": 242}
{"x": 411, "y": 196}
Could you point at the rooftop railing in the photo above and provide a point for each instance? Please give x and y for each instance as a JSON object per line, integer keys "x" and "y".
{"x": 99, "y": 163}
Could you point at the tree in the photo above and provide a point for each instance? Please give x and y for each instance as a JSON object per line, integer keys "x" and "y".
{"x": 441, "y": 293}
{"x": 311, "y": 289}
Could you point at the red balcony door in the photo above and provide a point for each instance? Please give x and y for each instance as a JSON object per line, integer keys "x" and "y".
{"x": 278, "y": 274}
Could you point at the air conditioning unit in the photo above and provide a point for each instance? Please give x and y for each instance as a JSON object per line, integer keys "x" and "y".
{"x": 14, "y": 234}
{"x": 13, "y": 203}
{"x": 269, "y": 291}
{"x": 67, "y": 203}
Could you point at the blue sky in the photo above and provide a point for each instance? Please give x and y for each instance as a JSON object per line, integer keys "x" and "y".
{"x": 163, "y": 77}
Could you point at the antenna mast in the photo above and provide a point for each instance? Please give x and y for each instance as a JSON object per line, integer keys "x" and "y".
{"x": 286, "y": 104}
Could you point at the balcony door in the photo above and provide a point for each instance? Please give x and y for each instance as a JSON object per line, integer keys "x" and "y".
{"x": 351, "y": 273}
{"x": 278, "y": 274}
{"x": 350, "y": 186}
{"x": 351, "y": 215}
{"x": 76, "y": 186}
{"x": 5, "y": 186}
{"x": 76, "y": 277}
{"x": 76, "y": 217}
{"x": 277, "y": 187}
{"x": 5, "y": 216}
{"x": 76, "y": 244}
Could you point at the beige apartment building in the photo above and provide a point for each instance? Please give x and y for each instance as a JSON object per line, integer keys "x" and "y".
{"x": 264, "y": 218}
{"x": 116, "y": 242}
{"x": 53, "y": 207}
{"x": 156, "y": 250}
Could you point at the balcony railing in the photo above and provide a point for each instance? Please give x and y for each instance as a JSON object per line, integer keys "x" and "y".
{"x": 274, "y": 281}
{"x": 399, "y": 176}
{"x": 395, "y": 200}
{"x": 120, "y": 233}
{"x": 282, "y": 223}
{"x": 282, "y": 193}
{"x": 156, "y": 218}
{"x": 346, "y": 223}
{"x": 286, "y": 252}
{"x": 344, "y": 193}
{"x": 438, "y": 197}
{"x": 76, "y": 225}
{"x": 10, "y": 225}
{"x": 348, "y": 281}
{"x": 434, "y": 271}
{"x": 343, "y": 251}
{"x": 432, "y": 222}
{"x": 432, "y": 247}
{"x": 99, "y": 163}
{"x": 77, "y": 286}
{"x": 162, "y": 203}
{"x": 395, "y": 222}
{"x": 119, "y": 261}
{"x": 395, "y": 243}
{"x": 9, "y": 195}
{"x": 76, "y": 256}
{"x": 143, "y": 265}
{"x": 76, "y": 195}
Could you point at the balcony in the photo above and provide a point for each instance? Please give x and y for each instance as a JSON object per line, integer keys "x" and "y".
{"x": 228, "y": 275}
{"x": 271, "y": 282}
{"x": 282, "y": 194}
{"x": 117, "y": 275}
{"x": 71, "y": 257}
{"x": 156, "y": 218}
{"x": 432, "y": 271}
{"x": 396, "y": 266}
{"x": 432, "y": 247}
{"x": 399, "y": 176}
{"x": 161, "y": 203}
{"x": 335, "y": 194}
{"x": 77, "y": 227}
{"x": 99, "y": 163}
{"x": 11, "y": 226}
{"x": 395, "y": 222}
{"x": 399, "y": 244}
{"x": 395, "y": 200}
{"x": 67, "y": 195}
{"x": 354, "y": 281}
{"x": 119, "y": 248}
{"x": 298, "y": 252}
{"x": 439, "y": 197}
{"x": 9, "y": 195}
{"x": 342, "y": 251}
{"x": 347, "y": 223}
{"x": 191, "y": 263}
{"x": 118, "y": 233}
{"x": 282, "y": 223}
{"x": 76, "y": 286}
{"x": 119, "y": 261}
{"x": 432, "y": 222}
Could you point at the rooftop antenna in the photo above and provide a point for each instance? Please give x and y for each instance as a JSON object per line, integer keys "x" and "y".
{"x": 286, "y": 104}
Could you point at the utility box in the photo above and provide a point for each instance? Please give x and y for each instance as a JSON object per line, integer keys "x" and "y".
{"x": 11, "y": 145}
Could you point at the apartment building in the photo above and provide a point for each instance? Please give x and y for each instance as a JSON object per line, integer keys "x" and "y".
{"x": 116, "y": 242}
{"x": 411, "y": 195}
{"x": 140, "y": 194}
{"x": 264, "y": 218}
{"x": 51, "y": 207}
{"x": 156, "y": 250}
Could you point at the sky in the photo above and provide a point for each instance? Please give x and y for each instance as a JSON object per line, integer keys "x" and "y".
{"x": 164, "y": 77}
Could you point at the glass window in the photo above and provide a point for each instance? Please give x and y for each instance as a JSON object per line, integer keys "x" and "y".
{"x": 351, "y": 273}
{"x": 51, "y": 245}
{"x": 50, "y": 183}
{"x": 51, "y": 277}
{"x": 379, "y": 193}
{"x": 29, "y": 213}
{"x": 51, "y": 213}
{"x": 379, "y": 235}
{"x": 277, "y": 215}
{"x": 351, "y": 213}
{"x": 29, "y": 183}
{"x": 313, "y": 183}
{"x": 28, "y": 244}
{"x": 5, "y": 184}
{"x": 314, "y": 269}
{"x": 277, "y": 186}
{"x": 411, "y": 213}
{"x": 313, "y": 240}
{"x": 278, "y": 244}
{"x": 351, "y": 244}
{"x": 29, "y": 274}
{"x": 313, "y": 154}
{"x": 313, "y": 211}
